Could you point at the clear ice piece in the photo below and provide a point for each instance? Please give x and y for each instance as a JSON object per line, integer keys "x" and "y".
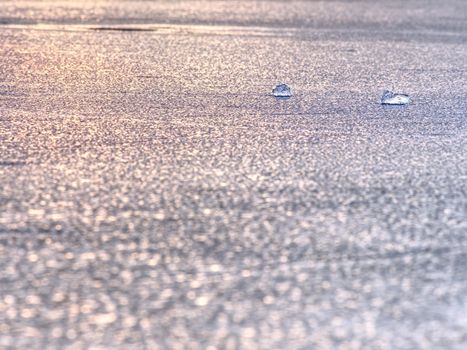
{"x": 391, "y": 98}
{"x": 281, "y": 90}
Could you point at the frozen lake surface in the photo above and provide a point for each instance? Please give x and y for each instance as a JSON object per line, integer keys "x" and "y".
{"x": 153, "y": 194}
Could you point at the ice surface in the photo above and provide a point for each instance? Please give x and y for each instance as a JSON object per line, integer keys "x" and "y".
{"x": 282, "y": 90}
{"x": 226, "y": 220}
{"x": 391, "y": 98}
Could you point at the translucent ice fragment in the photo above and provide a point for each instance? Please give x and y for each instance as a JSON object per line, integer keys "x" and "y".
{"x": 391, "y": 98}
{"x": 281, "y": 90}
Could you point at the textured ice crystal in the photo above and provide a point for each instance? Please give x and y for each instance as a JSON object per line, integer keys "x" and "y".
{"x": 391, "y": 98}
{"x": 281, "y": 90}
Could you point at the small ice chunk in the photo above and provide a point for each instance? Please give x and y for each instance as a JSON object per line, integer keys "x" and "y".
{"x": 391, "y": 98}
{"x": 281, "y": 90}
